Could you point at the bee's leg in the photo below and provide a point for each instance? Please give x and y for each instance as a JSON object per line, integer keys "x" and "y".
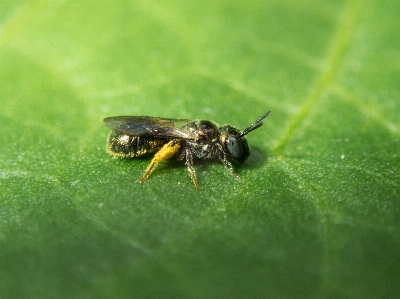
{"x": 230, "y": 167}
{"x": 227, "y": 164}
{"x": 189, "y": 164}
{"x": 166, "y": 152}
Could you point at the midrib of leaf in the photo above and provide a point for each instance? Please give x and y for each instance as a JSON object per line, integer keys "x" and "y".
{"x": 347, "y": 23}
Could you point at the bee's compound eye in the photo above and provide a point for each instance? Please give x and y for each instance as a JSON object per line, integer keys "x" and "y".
{"x": 234, "y": 147}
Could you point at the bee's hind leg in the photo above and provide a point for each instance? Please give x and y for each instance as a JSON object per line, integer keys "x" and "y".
{"x": 166, "y": 152}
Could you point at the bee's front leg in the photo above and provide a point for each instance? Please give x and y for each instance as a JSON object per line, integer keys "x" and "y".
{"x": 224, "y": 160}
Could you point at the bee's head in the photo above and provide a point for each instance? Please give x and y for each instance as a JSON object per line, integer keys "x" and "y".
{"x": 235, "y": 145}
{"x": 234, "y": 142}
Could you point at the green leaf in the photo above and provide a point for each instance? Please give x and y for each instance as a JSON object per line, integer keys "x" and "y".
{"x": 316, "y": 213}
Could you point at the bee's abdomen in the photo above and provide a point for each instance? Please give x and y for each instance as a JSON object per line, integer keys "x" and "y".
{"x": 127, "y": 146}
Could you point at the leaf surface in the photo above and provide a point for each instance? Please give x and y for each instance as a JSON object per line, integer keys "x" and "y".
{"x": 316, "y": 213}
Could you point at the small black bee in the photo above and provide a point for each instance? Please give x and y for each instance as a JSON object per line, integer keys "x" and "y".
{"x": 134, "y": 136}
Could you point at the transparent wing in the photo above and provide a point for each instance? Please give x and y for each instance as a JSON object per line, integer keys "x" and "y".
{"x": 152, "y": 127}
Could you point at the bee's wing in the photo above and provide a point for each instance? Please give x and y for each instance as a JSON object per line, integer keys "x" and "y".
{"x": 152, "y": 127}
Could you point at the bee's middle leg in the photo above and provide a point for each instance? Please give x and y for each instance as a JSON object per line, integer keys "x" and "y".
{"x": 189, "y": 164}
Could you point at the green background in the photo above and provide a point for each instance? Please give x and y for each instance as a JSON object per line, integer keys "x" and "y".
{"x": 316, "y": 214}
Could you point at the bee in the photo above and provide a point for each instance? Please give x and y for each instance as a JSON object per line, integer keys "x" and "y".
{"x": 134, "y": 136}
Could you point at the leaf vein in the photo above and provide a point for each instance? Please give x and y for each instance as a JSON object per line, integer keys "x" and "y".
{"x": 347, "y": 24}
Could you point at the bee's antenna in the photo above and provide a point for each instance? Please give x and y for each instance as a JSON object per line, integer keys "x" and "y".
{"x": 255, "y": 125}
